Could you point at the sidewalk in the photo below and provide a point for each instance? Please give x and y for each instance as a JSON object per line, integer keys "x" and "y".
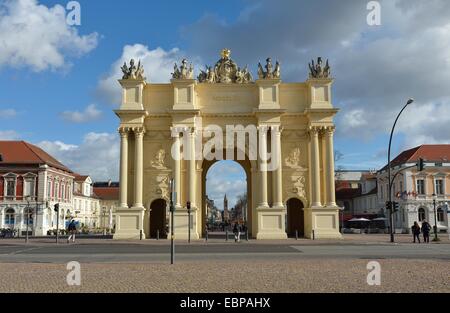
{"x": 348, "y": 239}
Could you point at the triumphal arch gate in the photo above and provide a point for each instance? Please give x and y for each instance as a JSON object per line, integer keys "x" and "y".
{"x": 281, "y": 134}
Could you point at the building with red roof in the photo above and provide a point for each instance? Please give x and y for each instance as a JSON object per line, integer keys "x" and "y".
{"x": 415, "y": 190}
{"x": 31, "y": 183}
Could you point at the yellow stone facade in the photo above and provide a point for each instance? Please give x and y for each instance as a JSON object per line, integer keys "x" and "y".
{"x": 296, "y": 117}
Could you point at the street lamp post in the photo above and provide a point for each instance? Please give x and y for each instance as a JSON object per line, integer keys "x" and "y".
{"x": 27, "y": 198}
{"x": 390, "y": 206}
{"x": 435, "y": 218}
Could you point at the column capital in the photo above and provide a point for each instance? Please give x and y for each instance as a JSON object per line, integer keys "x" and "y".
{"x": 277, "y": 129}
{"x": 139, "y": 131}
{"x": 123, "y": 131}
{"x": 177, "y": 130}
{"x": 263, "y": 129}
{"x": 329, "y": 130}
{"x": 314, "y": 130}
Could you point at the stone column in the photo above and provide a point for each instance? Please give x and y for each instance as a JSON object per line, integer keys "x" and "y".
{"x": 176, "y": 154}
{"x": 331, "y": 199}
{"x": 192, "y": 169}
{"x": 123, "y": 167}
{"x": 138, "y": 166}
{"x": 277, "y": 181}
{"x": 263, "y": 164}
{"x": 315, "y": 164}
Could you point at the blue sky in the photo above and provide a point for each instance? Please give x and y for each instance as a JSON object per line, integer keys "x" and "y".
{"x": 58, "y": 85}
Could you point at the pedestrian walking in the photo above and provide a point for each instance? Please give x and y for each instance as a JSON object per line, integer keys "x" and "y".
{"x": 426, "y": 228}
{"x": 416, "y": 231}
{"x": 72, "y": 229}
{"x": 237, "y": 232}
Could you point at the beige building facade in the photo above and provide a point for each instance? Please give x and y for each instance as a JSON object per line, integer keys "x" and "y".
{"x": 174, "y": 131}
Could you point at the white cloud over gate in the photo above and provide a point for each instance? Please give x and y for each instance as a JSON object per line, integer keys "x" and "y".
{"x": 158, "y": 64}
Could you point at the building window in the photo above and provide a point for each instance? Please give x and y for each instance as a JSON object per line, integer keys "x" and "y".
{"x": 421, "y": 186}
{"x": 401, "y": 186}
{"x": 10, "y": 187}
{"x": 63, "y": 192}
{"x": 49, "y": 189}
{"x": 439, "y": 187}
{"x": 29, "y": 188}
{"x": 421, "y": 214}
{"x": 440, "y": 215}
{"x": 56, "y": 193}
{"x": 10, "y": 217}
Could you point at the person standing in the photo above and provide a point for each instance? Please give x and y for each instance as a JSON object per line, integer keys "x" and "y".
{"x": 416, "y": 231}
{"x": 72, "y": 228}
{"x": 426, "y": 227}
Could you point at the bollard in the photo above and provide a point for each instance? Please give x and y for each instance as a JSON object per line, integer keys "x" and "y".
{"x": 206, "y": 236}
{"x": 226, "y": 235}
{"x": 296, "y": 234}
{"x": 140, "y": 234}
{"x": 246, "y": 235}
{"x": 157, "y": 234}
{"x": 313, "y": 235}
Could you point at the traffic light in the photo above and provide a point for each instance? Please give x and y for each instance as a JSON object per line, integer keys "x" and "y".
{"x": 395, "y": 206}
{"x": 420, "y": 165}
{"x": 188, "y": 205}
{"x": 388, "y": 205}
{"x": 56, "y": 207}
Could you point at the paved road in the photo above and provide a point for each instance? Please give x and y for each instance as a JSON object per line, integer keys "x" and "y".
{"x": 107, "y": 253}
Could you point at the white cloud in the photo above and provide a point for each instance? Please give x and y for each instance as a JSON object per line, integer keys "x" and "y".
{"x": 158, "y": 64}
{"x": 9, "y": 135}
{"x": 91, "y": 113}
{"x": 97, "y": 155}
{"x": 33, "y": 35}
{"x": 8, "y": 113}
{"x": 426, "y": 124}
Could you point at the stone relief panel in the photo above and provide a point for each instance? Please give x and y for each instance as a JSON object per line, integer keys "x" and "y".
{"x": 156, "y": 185}
{"x": 295, "y": 170}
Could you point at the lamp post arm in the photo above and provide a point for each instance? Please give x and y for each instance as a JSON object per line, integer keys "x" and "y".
{"x": 401, "y": 170}
{"x": 390, "y": 143}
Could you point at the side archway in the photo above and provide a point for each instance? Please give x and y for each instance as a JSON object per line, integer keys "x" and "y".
{"x": 295, "y": 217}
{"x": 158, "y": 218}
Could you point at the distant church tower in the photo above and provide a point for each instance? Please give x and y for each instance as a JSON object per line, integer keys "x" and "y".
{"x": 226, "y": 214}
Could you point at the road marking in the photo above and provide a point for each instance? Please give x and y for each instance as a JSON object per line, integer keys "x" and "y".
{"x": 24, "y": 250}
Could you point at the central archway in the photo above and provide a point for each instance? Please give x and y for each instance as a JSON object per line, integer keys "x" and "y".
{"x": 246, "y": 168}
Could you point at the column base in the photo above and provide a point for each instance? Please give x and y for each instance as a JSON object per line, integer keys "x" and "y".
{"x": 181, "y": 229}
{"x": 271, "y": 222}
{"x": 129, "y": 223}
{"x": 322, "y": 222}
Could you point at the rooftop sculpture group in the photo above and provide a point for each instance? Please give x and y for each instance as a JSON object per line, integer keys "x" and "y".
{"x": 132, "y": 71}
{"x": 269, "y": 72}
{"x": 184, "y": 72}
{"x": 226, "y": 71}
{"x": 318, "y": 71}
